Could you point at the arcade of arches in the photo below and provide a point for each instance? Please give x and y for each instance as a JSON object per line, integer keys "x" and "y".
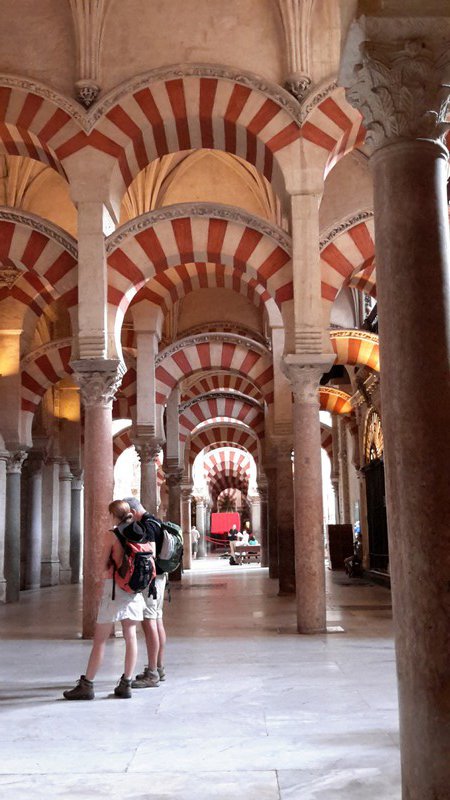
{"x": 205, "y": 211}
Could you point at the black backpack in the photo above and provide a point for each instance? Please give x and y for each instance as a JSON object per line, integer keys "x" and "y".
{"x": 169, "y": 542}
{"x": 137, "y": 571}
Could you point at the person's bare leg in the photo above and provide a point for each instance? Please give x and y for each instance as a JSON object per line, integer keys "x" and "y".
{"x": 151, "y": 641}
{"x": 129, "y": 634}
{"x": 102, "y": 631}
{"x": 162, "y": 642}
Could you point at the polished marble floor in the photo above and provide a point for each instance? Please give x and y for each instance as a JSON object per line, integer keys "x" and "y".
{"x": 249, "y": 710}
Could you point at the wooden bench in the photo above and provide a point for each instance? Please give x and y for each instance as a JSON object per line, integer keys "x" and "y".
{"x": 247, "y": 552}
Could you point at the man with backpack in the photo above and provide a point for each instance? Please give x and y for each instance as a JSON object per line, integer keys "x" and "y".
{"x": 152, "y": 624}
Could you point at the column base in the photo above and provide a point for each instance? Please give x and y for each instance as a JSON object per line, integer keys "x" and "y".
{"x": 65, "y": 576}
{"x": 312, "y": 631}
{"x": 49, "y": 573}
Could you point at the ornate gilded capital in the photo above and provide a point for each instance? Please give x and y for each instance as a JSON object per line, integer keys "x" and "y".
{"x": 401, "y": 85}
{"x": 98, "y": 386}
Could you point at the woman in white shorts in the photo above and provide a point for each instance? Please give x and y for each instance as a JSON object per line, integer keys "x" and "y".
{"x": 126, "y": 608}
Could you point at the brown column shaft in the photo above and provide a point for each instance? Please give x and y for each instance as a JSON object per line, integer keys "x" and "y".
{"x": 411, "y": 224}
{"x": 285, "y": 520}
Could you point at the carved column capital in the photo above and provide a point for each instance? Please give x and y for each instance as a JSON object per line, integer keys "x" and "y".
{"x": 14, "y": 462}
{"x": 400, "y": 85}
{"x": 98, "y": 386}
{"x": 147, "y": 451}
{"x": 174, "y": 477}
{"x": 304, "y": 375}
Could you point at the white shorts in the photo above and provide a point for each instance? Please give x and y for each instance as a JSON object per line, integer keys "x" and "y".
{"x": 124, "y": 605}
{"x": 154, "y": 607}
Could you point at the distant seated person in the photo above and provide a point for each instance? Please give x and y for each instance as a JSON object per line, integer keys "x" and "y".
{"x": 252, "y": 539}
{"x": 233, "y": 536}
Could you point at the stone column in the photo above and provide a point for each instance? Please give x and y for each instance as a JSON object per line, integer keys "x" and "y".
{"x": 335, "y": 465}
{"x": 402, "y": 88}
{"x": 12, "y": 524}
{"x": 285, "y": 517}
{"x": 173, "y": 480}
{"x": 33, "y": 533}
{"x": 148, "y": 453}
{"x": 50, "y": 522}
{"x": 186, "y": 526}
{"x": 65, "y": 478}
{"x": 272, "y": 531}
{"x": 75, "y": 526}
{"x": 255, "y": 516}
{"x": 98, "y": 382}
{"x": 263, "y": 494}
{"x": 344, "y": 495}
{"x": 3, "y": 462}
{"x": 309, "y": 540}
{"x": 200, "y": 524}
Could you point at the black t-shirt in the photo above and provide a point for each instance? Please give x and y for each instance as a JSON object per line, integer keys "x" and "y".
{"x": 153, "y": 533}
{"x": 232, "y": 534}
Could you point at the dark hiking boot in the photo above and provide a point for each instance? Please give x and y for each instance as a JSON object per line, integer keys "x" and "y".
{"x": 123, "y": 688}
{"x": 84, "y": 690}
{"x": 150, "y": 677}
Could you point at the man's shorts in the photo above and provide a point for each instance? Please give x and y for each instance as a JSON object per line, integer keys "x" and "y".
{"x": 154, "y": 607}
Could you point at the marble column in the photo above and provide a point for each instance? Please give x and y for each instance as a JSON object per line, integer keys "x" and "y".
{"x": 285, "y": 517}
{"x": 65, "y": 479}
{"x": 309, "y": 535}
{"x": 263, "y": 494}
{"x": 50, "y": 522}
{"x": 12, "y": 524}
{"x": 344, "y": 484}
{"x": 402, "y": 89}
{"x": 148, "y": 453}
{"x": 272, "y": 532}
{"x": 33, "y": 532}
{"x": 98, "y": 386}
{"x": 3, "y": 461}
{"x": 186, "y": 496}
{"x": 75, "y": 526}
{"x": 335, "y": 465}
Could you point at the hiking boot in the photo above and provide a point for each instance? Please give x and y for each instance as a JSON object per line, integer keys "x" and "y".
{"x": 161, "y": 673}
{"x": 84, "y": 690}
{"x": 142, "y": 675}
{"x": 123, "y": 688}
{"x": 150, "y": 677}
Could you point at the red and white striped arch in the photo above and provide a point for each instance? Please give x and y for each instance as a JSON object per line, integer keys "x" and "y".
{"x": 211, "y": 408}
{"x": 221, "y": 381}
{"x": 334, "y": 400}
{"x": 175, "y": 283}
{"x": 229, "y": 435}
{"x": 170, "y": 110}
{"x": 358, "y": 348}
{"x": 34, "y": 125}
{"x": 47, "y": 257}
{"x": 165, "y": 111}
{"x": 349, "y": 253}
{"x": 230, "y": 353}
{"x": 39, "y": 370}
{"x": 365, "y": 280}
{"x": 124, "y": 403}
{"x": 146, "y": 248}
{"x": 333, "y": 127}
{"x": 122, "y": 442}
